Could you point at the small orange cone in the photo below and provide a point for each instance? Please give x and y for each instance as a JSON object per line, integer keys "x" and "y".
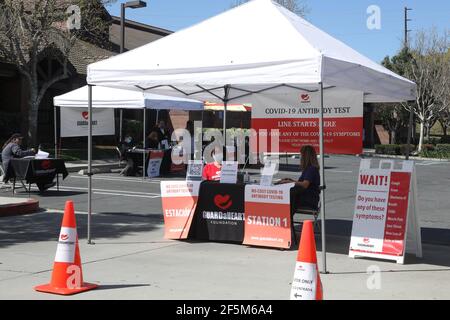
{"x": 306, "y": 284}
{"x": 67, "y": 277}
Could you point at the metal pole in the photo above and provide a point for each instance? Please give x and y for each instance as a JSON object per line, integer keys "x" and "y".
{"x": 143, "y": 143}
{"x": 225, "y": 104}
{"x": 89, "y": 173}
{"x": 157, "y": 117}
{"x": 56, "y": 133}
{"x": 120, "y": 128}
{"x": 122, "y": 27}
{"x": 322, "y": 183}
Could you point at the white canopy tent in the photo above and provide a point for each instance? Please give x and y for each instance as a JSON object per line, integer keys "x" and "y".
{"x": 105, "y": 97}
{"x": 257, "y": 47}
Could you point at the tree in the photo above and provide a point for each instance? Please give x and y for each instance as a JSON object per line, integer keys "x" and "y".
{"x": 296, "y": 6}
{"x": 394, "y": 116}
{"x": 444, "y": 100}
{"x": 429, "y": 70}
{"x": 33, "y": 30}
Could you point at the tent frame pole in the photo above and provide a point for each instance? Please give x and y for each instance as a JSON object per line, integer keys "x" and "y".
{"x": 322, "y": 183}
{"x": 56, "y": 132}
{"x": 143, "y": 144}
{"x": 120, "y": 124}
{"x": 225, "y": 105}
{"x": 89, "y": 173}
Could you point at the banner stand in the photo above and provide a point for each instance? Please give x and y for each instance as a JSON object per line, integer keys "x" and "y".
{"x": 398, "y": 237}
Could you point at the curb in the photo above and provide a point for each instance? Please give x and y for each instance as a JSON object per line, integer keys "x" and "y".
{"x": 96, "y": 168}
{"x": 375, "y": 155}
{"x": 29, "y": 206}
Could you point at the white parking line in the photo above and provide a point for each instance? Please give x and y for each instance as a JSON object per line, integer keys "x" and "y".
{"x": 137, "y": 179}
{"x": 108, "y": 190}
{"x": 121, "y": 193}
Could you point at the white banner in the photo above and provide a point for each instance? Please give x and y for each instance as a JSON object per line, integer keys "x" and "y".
{"x": 74, "y": 122}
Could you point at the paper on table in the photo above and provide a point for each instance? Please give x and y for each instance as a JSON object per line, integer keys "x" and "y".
{"x": 41, "y": 155}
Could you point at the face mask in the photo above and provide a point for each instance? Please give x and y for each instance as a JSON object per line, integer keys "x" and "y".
{"x": 218, "y": 157}
{"x": 127, "y": 140}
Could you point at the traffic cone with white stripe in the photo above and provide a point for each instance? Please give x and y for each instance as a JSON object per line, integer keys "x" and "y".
{"x": 67, "y": 277}
{"x": 306, "y": 284}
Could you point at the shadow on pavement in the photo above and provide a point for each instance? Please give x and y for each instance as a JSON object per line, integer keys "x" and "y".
{"x": 46, "y": 226}
{"x": 120, "y": 286}
{"x": 435, "y": 243}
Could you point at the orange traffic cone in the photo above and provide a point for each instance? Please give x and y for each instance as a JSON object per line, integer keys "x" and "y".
{"x": 306, "y": 284}
{"x": 67, "y": 277}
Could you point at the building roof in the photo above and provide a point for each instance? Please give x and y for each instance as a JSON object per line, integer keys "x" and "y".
{"x": 142, "y": 26}
{"x": 84, "y": 53}
{"x": 136, "y": 34}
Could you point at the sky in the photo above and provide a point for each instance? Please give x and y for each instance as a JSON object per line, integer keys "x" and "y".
{"x": 345, "y": 20}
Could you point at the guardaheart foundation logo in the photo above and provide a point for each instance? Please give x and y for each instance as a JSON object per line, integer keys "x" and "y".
{"x": 305, "y": 98}
{"x": 46, "y": 164}
{"x": 223, "y": 201}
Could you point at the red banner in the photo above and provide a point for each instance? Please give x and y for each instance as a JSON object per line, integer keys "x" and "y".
{"x": 341, "y": 135}
{"x": 268, "y": 216}
{"x": 179, "y": 200}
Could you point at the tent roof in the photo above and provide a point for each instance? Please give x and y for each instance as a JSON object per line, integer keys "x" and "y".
{"x": 104, "y": 97}
{"x": 251, "y": 47}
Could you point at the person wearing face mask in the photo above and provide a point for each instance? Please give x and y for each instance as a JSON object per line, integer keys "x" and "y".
{"x": 212, "y": 170}
{"x": 12, "y": 149}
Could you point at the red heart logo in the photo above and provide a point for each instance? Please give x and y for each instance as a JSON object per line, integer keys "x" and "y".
{"x": 46, "y": 164}
{"x": 85, "y": 114}
{"x": 223, "y": 202}
{"x": 64, "y": 237}
{"x": 305, "y": 97}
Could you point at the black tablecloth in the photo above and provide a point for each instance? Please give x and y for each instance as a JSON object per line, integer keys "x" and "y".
{"x": 219, "y": 215}
{"x": 36, "y": 170}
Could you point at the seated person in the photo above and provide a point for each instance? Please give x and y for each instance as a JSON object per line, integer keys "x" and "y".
{"x": 153, "y": 140}
{"x": 12, "y": 149}
{"x": 212, "y": 170}
{"x": 305, "y": 193}
{"x": 163, "y": 134}
{"x": 124, "y": 146}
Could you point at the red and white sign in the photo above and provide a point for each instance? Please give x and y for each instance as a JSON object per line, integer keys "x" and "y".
{"x": 268, "y": 216}
{"x": 297, "y": 119}
{"x": 179, "y": 200}
{"x": 154, "y": 163}
{"x": 381, "y": 211}
{"x": 74, "y": 122}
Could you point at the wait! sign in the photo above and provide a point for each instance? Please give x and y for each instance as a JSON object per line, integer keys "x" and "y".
{"x": 385, "y": 214}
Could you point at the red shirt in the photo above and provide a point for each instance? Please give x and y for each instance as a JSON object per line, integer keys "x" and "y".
{"x": 211, "y": 172}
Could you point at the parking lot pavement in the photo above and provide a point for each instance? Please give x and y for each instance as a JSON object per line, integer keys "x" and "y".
{"x": 131, "y": 260}
{"x": 134, "y": 196}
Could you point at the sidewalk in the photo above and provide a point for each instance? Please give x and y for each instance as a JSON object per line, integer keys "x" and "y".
{"x": 371, "y": 153}
{"x": 10, "y": 206}
{"x": 131, "y": 260}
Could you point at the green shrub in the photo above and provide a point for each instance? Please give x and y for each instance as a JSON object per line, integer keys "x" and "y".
{"x": 403, "y": 148}
{"x": 445, "y": 148}
{"x": 392, "y": 149}
{"x": 445, "y": 140}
